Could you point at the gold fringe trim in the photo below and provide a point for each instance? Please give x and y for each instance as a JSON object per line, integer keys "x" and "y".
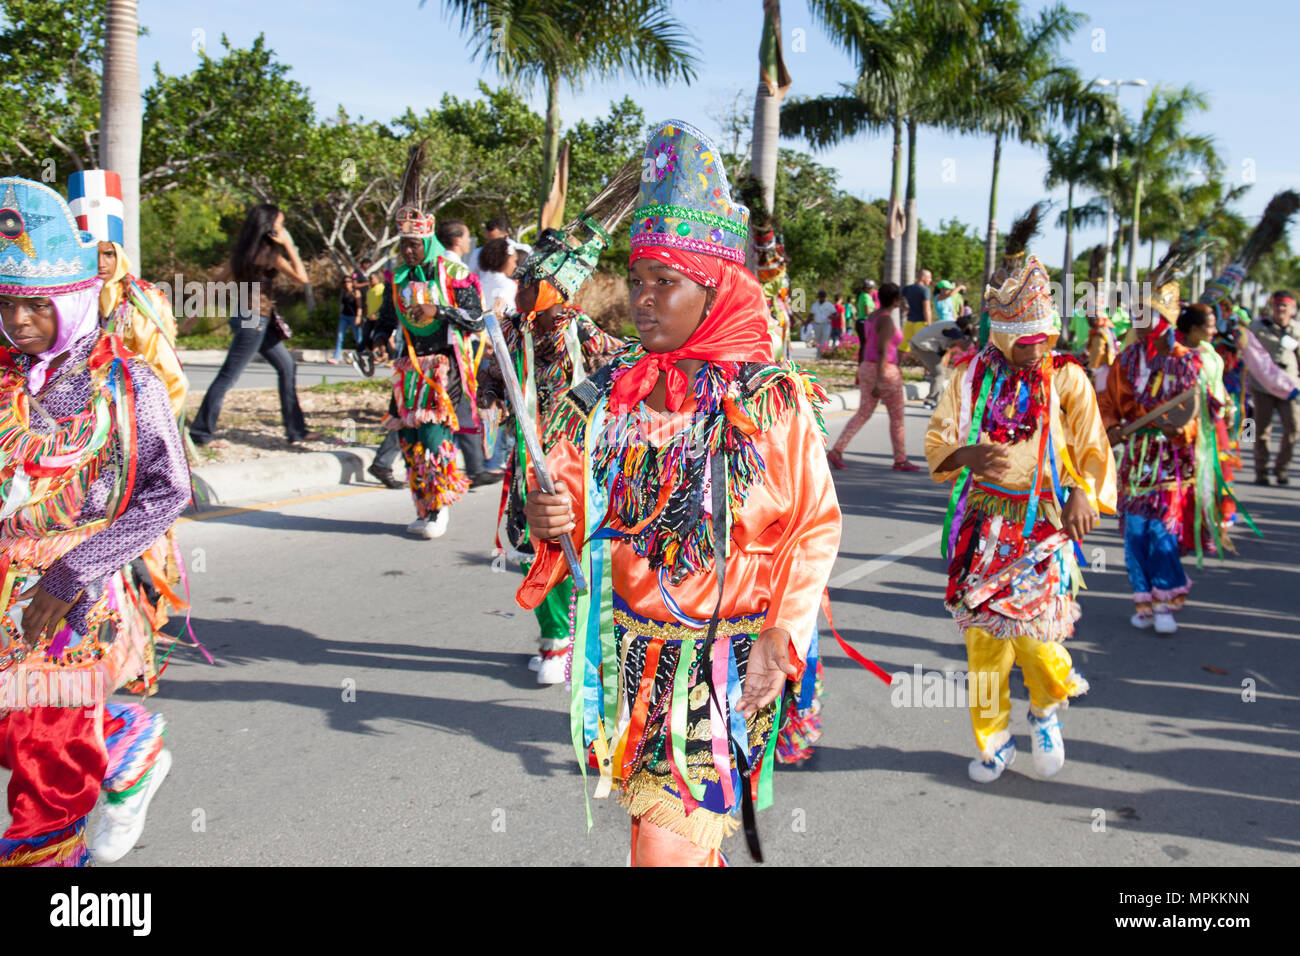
{"x": 646, "y": 797}
{"x": 48, "y": 855}
{"x": 752, "y": 624}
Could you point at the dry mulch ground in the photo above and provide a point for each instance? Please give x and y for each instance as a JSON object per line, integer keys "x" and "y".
{"x": 349, "y": 412}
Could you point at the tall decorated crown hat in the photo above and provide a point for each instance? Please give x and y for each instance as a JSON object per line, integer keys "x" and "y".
{"x": 42, "y": 252}
{"x": 685, "y": 200}
{"x": 95, "y": 198}
{"x": 412, "y": 223}
{"x": 1021, "y": 307}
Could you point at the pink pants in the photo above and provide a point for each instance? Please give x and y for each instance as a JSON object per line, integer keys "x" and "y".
{"x": 891, "y": 393}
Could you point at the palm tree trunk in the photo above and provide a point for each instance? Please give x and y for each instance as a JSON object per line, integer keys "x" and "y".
{"x": 120, "y": 115}
{"x": 913, "y": 226}
{"x": 550, "y": 143}
{"x": 1131, "y": 272}
{"x": 991, "y": 240}
{"x": 1067, "y": 273}
{"x": 1152, "y": 264}
{"x": 894, "y": 241}
{"x": 767, "y": 133}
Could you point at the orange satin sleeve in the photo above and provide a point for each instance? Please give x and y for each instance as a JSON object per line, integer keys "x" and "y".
{"x": 549, "y": 568}
{"x": 805, "y": 551}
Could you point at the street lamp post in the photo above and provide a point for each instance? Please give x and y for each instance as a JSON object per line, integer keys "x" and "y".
{"x": 1104, "y": 297}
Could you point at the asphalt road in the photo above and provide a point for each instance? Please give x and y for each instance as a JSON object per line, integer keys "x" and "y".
{"x": 370, "y": 704}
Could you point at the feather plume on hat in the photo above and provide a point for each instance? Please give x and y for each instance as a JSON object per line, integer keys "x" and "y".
{"x": 411, "y": 220}
{"x": 567, "y": 257}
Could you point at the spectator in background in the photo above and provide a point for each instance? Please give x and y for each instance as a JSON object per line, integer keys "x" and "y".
{"x": 837, "y": 322}
{"x": 919, "y": 310}
{"x": 497, "y": 263}
{"x": 821, "y": 314}
{"x": 455, "y": 238}
{"x": 880, "y": 379}
{"x": 946, "y": 297}
{"x": 373, "y": 301}
{"x": 868, "y": 302}
{"x": 930, "y": 345}
{"x": 263, "y": 250}
{"x": 498, "y": 227}
{"x": 1278, "y": 334}
{"x": 349, "y": 317}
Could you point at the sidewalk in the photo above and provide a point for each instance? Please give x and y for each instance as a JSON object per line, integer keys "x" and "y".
{"x": 217, "y": 356}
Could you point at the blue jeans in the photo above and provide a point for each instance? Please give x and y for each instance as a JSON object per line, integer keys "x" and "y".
{"x": 346, "y": 322}
{"x": 248, "y": 337}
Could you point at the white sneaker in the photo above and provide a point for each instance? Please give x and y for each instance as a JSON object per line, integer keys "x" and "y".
{"x": 438, "y": 527}
{"x": 122, "y": 823}
{"x": 1141, "y": 621}
{"x": 1049, "y": 749}
{"x": 1165, "y": 623}
{"x": 534, "y": 662}
{"x": 551, "y": 670}
{"x": 420, "y": 528}
{"x": 986, "y": 771}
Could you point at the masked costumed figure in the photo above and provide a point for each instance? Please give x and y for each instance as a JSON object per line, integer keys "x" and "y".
{"x": 141, "y": 316}
{"x": 554, "y": 347}
{"x": 1158, "y": 460}
{"x": 691, "y": 473}
{"x": 437, "y": 301}
{"x": 94, "y": 472}
{"x": 1019, "y": 435}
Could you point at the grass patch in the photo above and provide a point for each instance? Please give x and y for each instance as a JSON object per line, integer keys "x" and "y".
{"x": 357, "y": 387}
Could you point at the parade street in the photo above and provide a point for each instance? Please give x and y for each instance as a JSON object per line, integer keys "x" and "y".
{"x": 370, "y": 703}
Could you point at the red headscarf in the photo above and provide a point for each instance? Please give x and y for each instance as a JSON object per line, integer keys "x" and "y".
{"x": 735, "y": 330}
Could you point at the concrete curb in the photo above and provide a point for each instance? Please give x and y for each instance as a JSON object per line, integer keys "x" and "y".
{"x": 280, "y": 476}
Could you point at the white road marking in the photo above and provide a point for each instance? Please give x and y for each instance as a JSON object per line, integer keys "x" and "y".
{"x": 845, "y": 578}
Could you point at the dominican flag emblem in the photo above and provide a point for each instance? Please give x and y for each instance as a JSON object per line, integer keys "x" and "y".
{"x": 95, "y": 198}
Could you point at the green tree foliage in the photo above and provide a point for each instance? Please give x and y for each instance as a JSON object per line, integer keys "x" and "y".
{"x": 49, "y": 87}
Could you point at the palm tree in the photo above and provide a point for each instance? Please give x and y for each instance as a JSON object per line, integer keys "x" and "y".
{"x": 120, "y": 115}
{"x": 907, "y": 64}
{"x": 1077, "y": 160}
{"x": 773, "y": 81}
{"x": 1016, "y": 86}
{"x": 570, "y": 41}
{"x": 1159, "y": 147}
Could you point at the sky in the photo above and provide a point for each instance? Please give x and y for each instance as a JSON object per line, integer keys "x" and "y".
{"x": 346, "y": 55}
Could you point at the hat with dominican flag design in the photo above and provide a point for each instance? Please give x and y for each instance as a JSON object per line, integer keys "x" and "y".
{"x": 95, "y": 198}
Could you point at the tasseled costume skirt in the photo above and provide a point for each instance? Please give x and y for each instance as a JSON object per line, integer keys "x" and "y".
{"x": 1025, "y": 622}
{"x": 60, "y": 740}
{"x": 435, "y": 478}
{"x": 801, "y": 721}
{"x": 680, "y": 736}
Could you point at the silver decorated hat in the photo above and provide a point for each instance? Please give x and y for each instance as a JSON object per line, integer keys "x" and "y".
{"x": 685, "y": 200}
